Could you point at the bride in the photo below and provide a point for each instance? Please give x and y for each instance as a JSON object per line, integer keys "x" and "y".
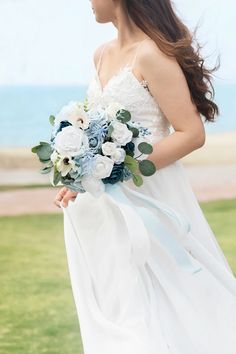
{"x": 141, "y": 284}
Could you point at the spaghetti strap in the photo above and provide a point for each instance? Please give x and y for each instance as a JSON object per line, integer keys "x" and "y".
{"x": 100, "y": 57}
{"x": 136, "y": 51}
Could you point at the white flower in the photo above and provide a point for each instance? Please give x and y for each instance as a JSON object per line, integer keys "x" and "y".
{"x": 108, "y": 148}
{"x": 74, "y": 112}
{"x": 121, "y": 134}
{"x": 54, "y": 156}
{"x": 102, "y": 167}
{"x": 93, "y": 185}
{"x": 71, "y": 141}
{"x": 119, "y": 155}
{"x": 63, "y": 163}
{"x": 111, "y": 110}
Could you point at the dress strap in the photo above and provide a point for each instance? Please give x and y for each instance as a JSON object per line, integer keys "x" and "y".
{"x": 100, "y": 57}
{"x": 136, "y": 51}
{"x": 134, "y": 58}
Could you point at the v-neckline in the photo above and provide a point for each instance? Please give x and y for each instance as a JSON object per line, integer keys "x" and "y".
{"x": 121, "y": 69}
{"x": 137, "y": 81}
{"x": 116, "y": 74}
{"x": 102, "y": 88}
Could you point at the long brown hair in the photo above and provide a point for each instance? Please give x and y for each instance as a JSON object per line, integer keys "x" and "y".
{"x": 159, "y": 21}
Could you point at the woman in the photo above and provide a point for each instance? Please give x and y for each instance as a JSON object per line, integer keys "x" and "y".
{"x": 147, "y": 274}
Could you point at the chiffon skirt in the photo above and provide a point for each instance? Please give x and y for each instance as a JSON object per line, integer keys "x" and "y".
{"x": 142, "y": 282}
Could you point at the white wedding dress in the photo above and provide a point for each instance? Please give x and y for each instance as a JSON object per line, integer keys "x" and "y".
{"x": 142, "y": 289}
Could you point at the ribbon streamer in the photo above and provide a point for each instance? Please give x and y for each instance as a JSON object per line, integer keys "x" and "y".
{"x": 173, "y": 244}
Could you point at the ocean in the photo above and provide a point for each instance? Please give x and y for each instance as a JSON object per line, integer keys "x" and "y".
{"x": 24, "y": 111}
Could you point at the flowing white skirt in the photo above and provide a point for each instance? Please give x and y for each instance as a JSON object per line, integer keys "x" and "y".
{"x": 131, "y": 294}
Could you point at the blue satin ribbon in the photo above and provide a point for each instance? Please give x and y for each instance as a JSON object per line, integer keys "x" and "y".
{"x": 153, "y": 224}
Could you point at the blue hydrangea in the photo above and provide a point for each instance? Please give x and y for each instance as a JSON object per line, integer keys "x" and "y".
{"x": 97, "y": 128}
{"x": 96, "y": 132}
{"x": 85, "y": 162}
{"x": 144, "y": 131}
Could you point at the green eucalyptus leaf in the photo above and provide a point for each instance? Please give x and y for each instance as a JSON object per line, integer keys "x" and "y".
{"x": 56, "y": 176}
{"x": 145, "y": 148}
{"x": 44, "y": 143}
{"x": 35, "y": 148}
{"x": 123, "y": 115}
{"x": 137, "y": 179}
{"x": 110, "y": 130}
{"x": 43, "y": 151}
{"x": 135, "y": 131}
{"x": 46, "y": 169}
{"x": 52, "y": 119}
{"x": 147, "y": 167}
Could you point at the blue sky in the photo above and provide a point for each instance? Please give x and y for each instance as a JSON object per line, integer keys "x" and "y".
{"x": 52, "y": 41}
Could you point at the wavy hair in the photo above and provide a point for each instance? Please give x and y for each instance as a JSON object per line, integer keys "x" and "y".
{"x": 159, "y": 21}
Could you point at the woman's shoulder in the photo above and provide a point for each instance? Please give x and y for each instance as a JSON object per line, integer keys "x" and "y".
{"x": 152, "y": 59}
{"x": 151, "y": 51}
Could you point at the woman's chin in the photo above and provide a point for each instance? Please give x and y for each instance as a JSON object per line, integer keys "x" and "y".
{"x": 100, "y": 19}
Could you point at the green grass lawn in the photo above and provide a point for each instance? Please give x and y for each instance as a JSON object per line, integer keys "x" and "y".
{"x": 37, "y": 311}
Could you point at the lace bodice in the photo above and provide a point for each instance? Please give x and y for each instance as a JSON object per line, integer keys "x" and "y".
{"x": 125, "y": 88}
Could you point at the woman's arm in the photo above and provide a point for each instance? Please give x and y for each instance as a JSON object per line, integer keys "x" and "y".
{"x": 169, "y": 87}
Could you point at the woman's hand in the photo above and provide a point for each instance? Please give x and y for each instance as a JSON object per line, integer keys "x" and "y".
{"x": 64, "y": 195}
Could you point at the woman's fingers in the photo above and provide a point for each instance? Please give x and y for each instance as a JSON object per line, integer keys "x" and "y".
{"x": 59, "y": 196}
{"x": 63, "y": 197}
{"x": 68, "y": 196}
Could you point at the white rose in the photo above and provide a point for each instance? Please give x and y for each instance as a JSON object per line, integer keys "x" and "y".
{"x": 93, "y": 185}
{"x": 112, "y": 109}
{"x": 119, "y": 155}
{"x": 74, "y": 112}
{"x": 71, "y": 141}
{"x": 108, "y": 148}
{"x": 102, "y": 167}
{"x": 121, "y": 134}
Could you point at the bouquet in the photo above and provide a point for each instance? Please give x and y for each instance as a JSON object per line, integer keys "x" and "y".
{"x": 91, "y": 147}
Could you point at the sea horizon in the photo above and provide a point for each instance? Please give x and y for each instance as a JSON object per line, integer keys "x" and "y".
{"x": 25, "y": 110}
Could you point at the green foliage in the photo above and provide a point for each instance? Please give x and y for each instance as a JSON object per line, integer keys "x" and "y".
{"x": 110, "y": 130}
{"x": 123, "y": 115}
{"x": 137, "y": 179}
{"x": 145, "y": 148}
{"x": 56, "y": 176}
{"x": 131, "y": 163}
{"x": 52, "y": 119}
{"x": 86, "y": 104}
{"x": 43, "y": 150}
{"x": 135, "y": 131}
{"x": 46, "y": 169}
{"x": 147, "y": 167}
